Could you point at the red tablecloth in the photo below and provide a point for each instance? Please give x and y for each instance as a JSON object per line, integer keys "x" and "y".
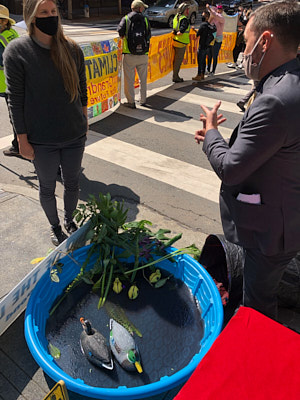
{"x": 253, "y": 358}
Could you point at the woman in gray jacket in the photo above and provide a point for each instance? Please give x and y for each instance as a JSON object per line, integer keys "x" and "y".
{"x": 47, "y": 97}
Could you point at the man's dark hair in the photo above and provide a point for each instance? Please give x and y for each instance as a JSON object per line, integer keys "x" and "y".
{"x": 282, "y": 18}
{"x": 206, "y": 14}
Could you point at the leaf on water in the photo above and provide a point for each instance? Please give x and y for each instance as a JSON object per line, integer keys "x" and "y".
{"x": 161, "y": 282}
{"x": 37, "y": 260}
{"x": 54, "y": 351}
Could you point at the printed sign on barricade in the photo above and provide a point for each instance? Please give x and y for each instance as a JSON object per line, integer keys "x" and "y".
{"x": 103, "y": 73}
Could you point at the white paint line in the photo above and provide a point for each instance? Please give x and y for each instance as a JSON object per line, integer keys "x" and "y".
{"x": 198, "y": 99}
{"x": 168, "y": 120}
{"x": 181, "y": 175}
{"x": 6, "y": 141}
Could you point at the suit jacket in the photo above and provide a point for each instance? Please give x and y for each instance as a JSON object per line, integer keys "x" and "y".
{"x": 263, "y": 157}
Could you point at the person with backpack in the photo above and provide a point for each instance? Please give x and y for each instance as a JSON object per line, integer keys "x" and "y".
{"x": 181, "y": 31}
{"x": 135, "y": 31}
{"x": 206, "y": 32}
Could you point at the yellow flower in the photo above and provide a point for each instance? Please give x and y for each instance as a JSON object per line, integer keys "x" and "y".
{"x": 155, "y": 276}
{"x": 133, "y": 292}
{"x": 117, "y": 286}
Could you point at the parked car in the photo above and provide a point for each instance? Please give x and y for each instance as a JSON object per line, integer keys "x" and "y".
{"x": 164, "y": 11}
{"x": 230, "y": 6}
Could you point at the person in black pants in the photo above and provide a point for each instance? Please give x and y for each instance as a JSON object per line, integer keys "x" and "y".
{"x": 47, "y": 96}
{"x": 205, "y": 34}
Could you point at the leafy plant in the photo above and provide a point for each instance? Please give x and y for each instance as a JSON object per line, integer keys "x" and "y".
{"x": 113, "y": 240}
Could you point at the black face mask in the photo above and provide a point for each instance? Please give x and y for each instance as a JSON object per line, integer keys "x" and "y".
{"x": 203, "y": 19}
{"x": 47, "y": 25}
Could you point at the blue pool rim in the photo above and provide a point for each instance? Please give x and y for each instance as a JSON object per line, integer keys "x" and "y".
{"x": 42, "y": 297}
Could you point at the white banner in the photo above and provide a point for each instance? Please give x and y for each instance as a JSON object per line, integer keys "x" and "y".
{"x": 15, "y": 302}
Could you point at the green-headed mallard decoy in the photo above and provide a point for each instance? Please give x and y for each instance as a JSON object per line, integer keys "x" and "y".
{"x": 94, "y": 346}
{"x": 123, "y": 347}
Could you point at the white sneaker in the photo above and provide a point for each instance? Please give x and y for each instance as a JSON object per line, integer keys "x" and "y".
{"x": 231, "y": 65}
{"x": 240, "y": 66}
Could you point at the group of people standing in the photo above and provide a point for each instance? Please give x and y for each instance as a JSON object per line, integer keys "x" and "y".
{"x": 259, "y": 167}
{"x": 210, "y": 35}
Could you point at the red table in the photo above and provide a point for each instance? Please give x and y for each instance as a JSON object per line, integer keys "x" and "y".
{"x": 253, "y": 358}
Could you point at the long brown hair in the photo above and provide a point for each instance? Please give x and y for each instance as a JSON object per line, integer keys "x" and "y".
{"x": 63, "y": 49}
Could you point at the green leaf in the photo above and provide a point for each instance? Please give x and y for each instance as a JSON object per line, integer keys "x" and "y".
{"x": 90, "y": 234}
{"x": 161, "y": 282}
{"x": 59, "y": 266}
{"x": 173, "y": 240}
{"x": 96, "y": 286}
{"x": 87, "y": 280}
{"x": 54, "y": 351}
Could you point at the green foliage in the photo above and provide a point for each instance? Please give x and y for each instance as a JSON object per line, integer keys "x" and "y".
{"x": 108, "y": 231}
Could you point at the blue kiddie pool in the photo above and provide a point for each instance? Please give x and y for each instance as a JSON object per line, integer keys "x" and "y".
{"x": 45, "y": 293}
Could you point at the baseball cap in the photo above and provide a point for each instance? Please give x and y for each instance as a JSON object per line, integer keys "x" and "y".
{"x": 220, "y": 7}
{"x": 137, "y": 4}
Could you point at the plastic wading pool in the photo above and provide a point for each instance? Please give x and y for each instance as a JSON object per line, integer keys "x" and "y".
{"x": 46, "y": 292}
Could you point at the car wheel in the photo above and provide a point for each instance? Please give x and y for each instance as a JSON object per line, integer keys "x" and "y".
{"x": 193, "y": 18}
{"x": 170, "y": 21}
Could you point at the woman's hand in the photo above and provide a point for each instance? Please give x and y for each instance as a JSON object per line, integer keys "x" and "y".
{"x": 211, "y": 120}
{"x": 25, "y": 148}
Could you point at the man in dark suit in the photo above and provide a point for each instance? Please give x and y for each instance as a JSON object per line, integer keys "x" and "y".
{"x": 260, "y": 167}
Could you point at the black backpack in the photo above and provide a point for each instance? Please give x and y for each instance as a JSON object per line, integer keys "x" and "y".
{"x": 211, "y": 34}
{"x": 137, "y": 34}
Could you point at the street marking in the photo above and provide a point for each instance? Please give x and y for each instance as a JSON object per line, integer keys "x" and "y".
{"x": 197, "y": 99}
{"x": 6, "y": 141}
{"x": 173, "y": 121}
{"x": 179, "y": 174}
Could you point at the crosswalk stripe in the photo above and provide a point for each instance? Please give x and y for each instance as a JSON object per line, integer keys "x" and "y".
{"x": 161, "y": 168}
{"x": 6, "y": 141}
{"x": 190, "y": 178}
{"x": 162, "y": 119}
{"x": 198, "y": 99}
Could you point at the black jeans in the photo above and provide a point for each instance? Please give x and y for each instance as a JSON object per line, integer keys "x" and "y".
{"x": 215, "y": 51}
{"x": 47, "y": 160}
{"x": 262, "y": 275}
{"x": 201, "y": 58}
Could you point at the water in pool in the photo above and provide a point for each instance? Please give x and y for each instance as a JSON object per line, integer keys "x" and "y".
{"x": 168, "y": 318}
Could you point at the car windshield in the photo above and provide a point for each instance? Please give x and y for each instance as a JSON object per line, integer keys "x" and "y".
{"x": 165, "y": 3}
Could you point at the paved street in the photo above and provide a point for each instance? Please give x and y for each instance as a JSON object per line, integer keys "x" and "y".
{"x": 147, "y": 157}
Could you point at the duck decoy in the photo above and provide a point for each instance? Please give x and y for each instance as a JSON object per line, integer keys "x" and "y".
{"x": 94, "y": 346}
{"x": 123, "y": 347}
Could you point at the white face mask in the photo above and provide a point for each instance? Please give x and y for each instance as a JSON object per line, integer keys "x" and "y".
{"x": 252, "y": 69}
